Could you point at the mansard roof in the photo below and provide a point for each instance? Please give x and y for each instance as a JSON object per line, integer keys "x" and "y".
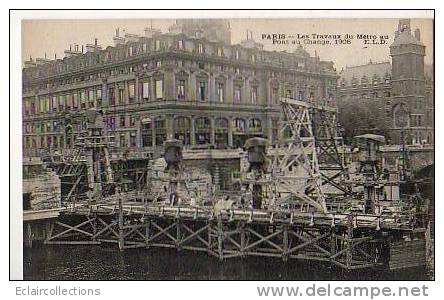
{"x": 369, "y": 70}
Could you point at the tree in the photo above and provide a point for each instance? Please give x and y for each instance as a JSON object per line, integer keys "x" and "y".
{"x": 361, "y": 116}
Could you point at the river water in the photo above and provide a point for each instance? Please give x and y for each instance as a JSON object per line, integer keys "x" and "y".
{"x": 57, "y": 262}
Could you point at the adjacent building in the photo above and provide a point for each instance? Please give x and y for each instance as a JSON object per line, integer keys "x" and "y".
{"x": 402, "y": 89}
{"x": 190, "y": 83}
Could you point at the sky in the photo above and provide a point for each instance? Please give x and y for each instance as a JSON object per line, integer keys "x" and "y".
{"x": 55, "y": 36}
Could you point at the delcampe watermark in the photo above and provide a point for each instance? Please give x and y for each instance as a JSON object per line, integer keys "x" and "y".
{"x": 327, "y": 290}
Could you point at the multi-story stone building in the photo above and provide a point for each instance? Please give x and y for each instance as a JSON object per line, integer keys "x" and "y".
{"x": 189, "y": 83}
{"x": 402, "y": 89}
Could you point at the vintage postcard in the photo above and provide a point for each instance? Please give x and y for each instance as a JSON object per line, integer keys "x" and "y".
{"x": 228, "y": 148}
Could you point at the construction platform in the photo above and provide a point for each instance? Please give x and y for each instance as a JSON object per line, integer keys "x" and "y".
{"x": 349, "y": 241}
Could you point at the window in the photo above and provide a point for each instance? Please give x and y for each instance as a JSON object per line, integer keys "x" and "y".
{"x": 200, "y": 48}
{"x": 288, "y": 94}
{"x": 133, "y": 140}
{"x": 82, "y": 99}
{"x": 147, "y": 132}
{"x": 131, "y": 92}
{"x": 112, "y": 96}
{"x": 121, "y": 96}
{"x": 237, "y": 94}
{"x": 122, "y": 121}
{"x": 130, "y": 51}
{"x": 52, "y": 104}
{"x": 91, "y": 98}
{"x": 301, "y": 95}
{"x": 253, "y": 95}
{"x": 145, "y": 90}
{"x": 157, "y": 45}
{"x": 122, "y": 140}
{"x": 275, "y": 95}
{"x": 160, "y": 132}
{"x": 75, "y": 101}
{"x": 255, "y": 125}
{"x": 202, "y": 130}
{"x": 239, "y": 125}
{"x": 132, "y": 121}
{"x": 220, "y": 92}
{"x": 253, "y": 58}
{"x": 40, "y": 106}
{"x": 32, "y": 107}
{"x": 144, "y": 47}
{"x": 68, "y": 101}
{"x": 237, "y": 55}
{"x": 312, "y": 96}
{"x": 158, "y": 64}
{"x": 159, "y": 89}
{"x": 112, "y": 123}
{"x": 180, "y": 45}
{"x": 99, "y": 97}
{"x": 181, "y": 90}
{"x": 220, "y": 51}
{"x": 62, "y": 102}
{"x": 202, "y": 90}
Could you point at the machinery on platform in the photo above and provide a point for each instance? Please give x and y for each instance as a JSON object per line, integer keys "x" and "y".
{"x": 296, "y": 200}
{"x": 290, "y": 174}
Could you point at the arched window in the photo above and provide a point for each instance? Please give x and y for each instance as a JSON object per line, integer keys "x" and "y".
{"x": 221, "y": 132}
{"x": 255, "y": 125}
{"x": 239, "y": 132}
{"x": 182, "y": 129}
{"x": 239, "y": 125}
{"x": 202, "y": 128}
{"x": 160, "y": 131}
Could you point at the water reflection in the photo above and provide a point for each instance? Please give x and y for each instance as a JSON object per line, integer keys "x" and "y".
{"x": 108, "y": 263}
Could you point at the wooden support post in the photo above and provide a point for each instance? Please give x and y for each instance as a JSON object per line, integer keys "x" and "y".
{"x": 29, "y": 235}
{"x": 349, "y": 243}
{"x": 147, "y": 234}
{"x": 242, "y": 238}
{"x": 210, "y": 238}
{"x": 333, "y": 242}
{"x": 50, "y": 225}
{"x": 285, "y": 244}
{"x": 220, "y": 238}
{"x": 178, "y": 234}
{"x": 121, "y": 238}
{"x": 47, "y": 229}
{"x": 94, "y": 226}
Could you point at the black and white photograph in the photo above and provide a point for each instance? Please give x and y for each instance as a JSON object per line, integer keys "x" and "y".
{"x": 227, "y": 148}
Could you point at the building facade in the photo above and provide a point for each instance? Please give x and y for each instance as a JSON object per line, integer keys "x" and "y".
{"x": 402, "y": 89}
{"x": 196, "y": 87}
